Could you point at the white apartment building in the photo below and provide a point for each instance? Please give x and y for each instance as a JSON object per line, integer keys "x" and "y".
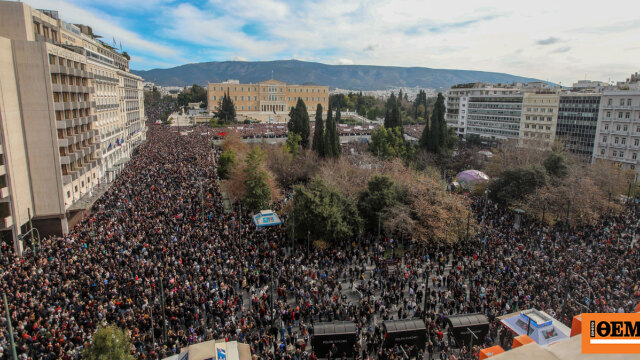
{"x": 485, "y": 120}
{"x": 618, "y": 132}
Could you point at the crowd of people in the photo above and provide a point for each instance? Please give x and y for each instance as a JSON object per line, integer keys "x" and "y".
{"x": 159, "y": 244}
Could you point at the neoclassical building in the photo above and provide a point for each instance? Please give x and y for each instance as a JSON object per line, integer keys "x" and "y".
{"x": 268, "y": 100}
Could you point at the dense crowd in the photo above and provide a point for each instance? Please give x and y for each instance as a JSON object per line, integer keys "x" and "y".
{"x": 162, "y": 227}
{"x": 279, "y": 130}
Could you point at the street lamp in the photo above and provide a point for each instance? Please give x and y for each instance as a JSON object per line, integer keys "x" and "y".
{"x": 33, "y": 243}
{"x": 589, "y": 286}
{"x": 8, "y": 315}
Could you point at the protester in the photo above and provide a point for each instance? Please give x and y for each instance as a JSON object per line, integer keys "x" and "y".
{"x": 155, "y": 233}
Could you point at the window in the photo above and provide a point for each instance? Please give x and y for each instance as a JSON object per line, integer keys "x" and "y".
{"x": 624, "y": 141}
{"x": 608, "y": 114}
{"x": 621, "y": 154}
{"x": 628, "y": 102}
{"x": 610, "y": 102}
{"x": 616, "y": 140}
{"x": 621, "y": 102}
{"x": 625, "y": 128}
{"x": 634, "y": 156}
{"x": 627, "y": 115}
{"x": 601, "y": 151}
{"x": 606, "y": 126}
{"x": 620, "y": 115}
{"x": 618, "y": 128}
{"x": 615, "y": 153}
{"x": 636, "y": 142}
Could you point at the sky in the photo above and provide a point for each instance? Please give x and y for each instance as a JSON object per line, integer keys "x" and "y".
{"x": 561, "y": 41}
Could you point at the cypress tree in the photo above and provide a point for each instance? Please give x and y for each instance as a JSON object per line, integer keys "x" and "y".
{"x": 336, "y": 135}
{"x": 425, "y": 138}
{"x": 302, "y": 117}
{"x": 331, "y": 137}
{"x": 395, "y": 119}
{"x": 292, "y": 125}
{"x": 318, "y": 134}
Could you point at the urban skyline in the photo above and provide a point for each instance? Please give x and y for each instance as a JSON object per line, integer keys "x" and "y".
{"x": 551, "y": 42}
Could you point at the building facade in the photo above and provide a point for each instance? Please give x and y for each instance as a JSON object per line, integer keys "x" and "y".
{"x": 578, "y": 122}
{"x": 618, "y": 133}
{"x": 539, "y": 119}
{"x": 484, "y": 118}
{"x": 59, "y": 102}
{"x": 269, "y": 100}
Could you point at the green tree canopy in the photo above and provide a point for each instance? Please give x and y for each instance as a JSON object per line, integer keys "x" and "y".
{"x": 258, "y": 192}
{"x": 299, "y": 122}
{"x": 109, "y": 343}
{"x": 293, "y": 144}
{"x": 379, "y": 196}
{"x": 393, "y": 116}
{"x": 515, "y": 184}
{"x": 195, "y": 94}
{"x": 556, "y": 165}
{"x": 436, "y": 137}
{"x": 331, "y": 136}
{"x": 318, "y": 134}
{"x": 389, "y": 143}
{"x": 226, "y": 161}
{"x": 324, "y": 213}
{"x": 226, "y": 113}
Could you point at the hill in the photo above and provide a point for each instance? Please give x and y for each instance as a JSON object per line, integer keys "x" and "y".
{"x": 353, "y": 77}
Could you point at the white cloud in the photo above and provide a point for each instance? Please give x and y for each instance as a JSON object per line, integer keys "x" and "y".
{"x": 104, "y": 25}
{"x": 240, "y": 58}
{"x": 343, "y": 61}
{"x": 557, "y": 41}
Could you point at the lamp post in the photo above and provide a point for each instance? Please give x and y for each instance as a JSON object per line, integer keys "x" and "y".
{"x": 8, "y": 315}
{"x": 33, "y": 243}
{"x": 588, "y": 286}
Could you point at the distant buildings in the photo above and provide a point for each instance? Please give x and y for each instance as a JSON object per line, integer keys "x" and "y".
{"x": 269, "y": 100}
{"x": 70, "y": 116}
{"x": 593, "y": 120}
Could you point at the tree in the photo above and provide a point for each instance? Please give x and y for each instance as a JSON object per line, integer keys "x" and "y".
{"x": 331, "y": 137}
{"x": 436, "y": 137}
{"x": 389, "y": 143}
{"x": 379, "y": 196}
{"x": 109, "y": 343}
{"x": 226, "y": 161}
{"x": 392, "y": 117}
{"x": 555, "y": 164}
{"x": 226, "y": 113}
{"x": 299, "y": 122}
{"x": 126, "y": 55}
{"x": 293, "y": 144}
{"x": 323, "y": 213}
{"x": 515, "y": 184}
{"x": 258, "y": 192}
{"x": 318, "y": 134}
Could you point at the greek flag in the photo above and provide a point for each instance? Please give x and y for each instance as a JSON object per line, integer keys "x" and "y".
{"x": 222, "y": 354}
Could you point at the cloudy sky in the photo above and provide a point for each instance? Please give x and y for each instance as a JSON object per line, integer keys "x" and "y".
{"x": 556, "y": 40}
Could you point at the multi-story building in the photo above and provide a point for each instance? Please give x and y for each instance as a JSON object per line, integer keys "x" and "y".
{"x": 577, "y": 122}
{"x": 269, "y": 100}
{"x": 60, "y": 95}
{"x": 618, "y": 133}
{"x": 458, "y": 112}
{"x": 539, "y": 119}
{"x": 131, "y": 111}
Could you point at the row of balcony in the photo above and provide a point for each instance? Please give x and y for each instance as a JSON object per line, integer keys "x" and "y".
{"x": 75, "y": 174}
{"x": 80, "y": 153}
{"x": 72, "y": 88}
{"x": 76, "y": 138}
{"x": 70, "y": 105}
{"x": 61, "y": 69}
{"x": 621, "y": 107}
{"x": 619, "y": 146}
{"x": 107, "y": 107}
{"x": 68, "y": 123}
{"x": 105, "y": 78}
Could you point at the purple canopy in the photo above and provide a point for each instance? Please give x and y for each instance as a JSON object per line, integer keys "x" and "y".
{"x": 471, "y": 177}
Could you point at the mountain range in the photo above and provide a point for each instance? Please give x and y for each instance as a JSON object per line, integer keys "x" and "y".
{"x": 352, "y": 77}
